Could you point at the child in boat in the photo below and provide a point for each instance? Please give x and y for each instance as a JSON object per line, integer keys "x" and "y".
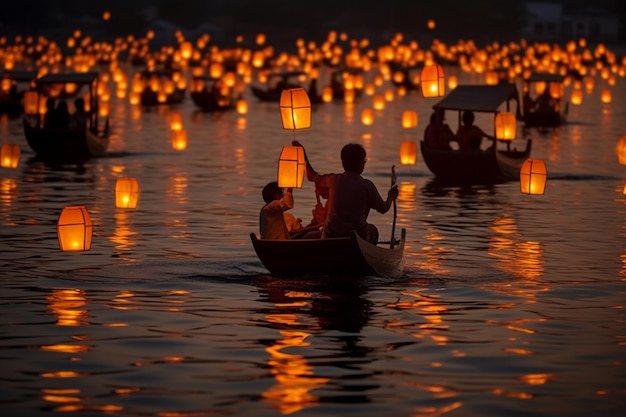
{"x": 275, "y": 223}
{"x": 469, "y": 136}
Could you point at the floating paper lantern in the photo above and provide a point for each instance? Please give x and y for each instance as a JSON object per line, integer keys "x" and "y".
{"x": 176, "y": 120}
{"x": 432, "y": 81}
{"x": 367, "y": 117}
{"x": 179, "y": 140}
{"x": 74, "y": 229}
{"x": 533, "y": 177}
{"x": 9, "y": 155}
{"x": 126, "y": 193}
{"x": 242, "y": 106}
{"x": 295, "y": 109}
{"x": 291, "y": 167}
{"x": 409, "y": 119}
{"x": 605, "y": 96}
{"x": 506, "y": 125}
{"x": 408, "y": 152}
{"x": 577, "y": 97}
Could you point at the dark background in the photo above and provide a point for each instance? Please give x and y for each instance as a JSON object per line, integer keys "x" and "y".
{"x": 483, "y": 21}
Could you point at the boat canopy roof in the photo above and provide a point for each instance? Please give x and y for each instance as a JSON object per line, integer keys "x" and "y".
{"x": 478, "y": 98}
{"x": 545, "y": 76}
{"x": 19, "y": 75}
{"x": 74, "y": 77}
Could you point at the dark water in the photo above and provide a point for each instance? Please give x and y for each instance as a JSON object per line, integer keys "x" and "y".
{"x": 510, "y": 305}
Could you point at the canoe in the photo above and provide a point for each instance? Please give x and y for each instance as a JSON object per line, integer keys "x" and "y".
{"x": 547, "y": 118}
{"x": 488, "y": 166}
{"x": 66, "y": 144}
{"x": 203, "y": 94}
{"x": 334, "y": 256}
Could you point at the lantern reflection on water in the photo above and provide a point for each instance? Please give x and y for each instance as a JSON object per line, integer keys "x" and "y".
{"x": 74, "y": 229}
{"x": 533, "y": 176}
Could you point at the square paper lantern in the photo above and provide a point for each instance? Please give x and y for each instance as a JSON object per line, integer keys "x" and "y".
{"x": 432, "y": 81}
{"x": 291, "y": 167}
{"x": 295, "y": 109}
{"x": 31, "y": 102}
{"x": 506, "y": 125}
{"x": 533, "y": 176}
{"x": 408, "y": 152}
{"x": 9, "y": 155}
{"x": 74, "y": 229}
{"x": 409, "y": 119}
{"x": 621, "y": 150}
{"x": 126, "y": 193}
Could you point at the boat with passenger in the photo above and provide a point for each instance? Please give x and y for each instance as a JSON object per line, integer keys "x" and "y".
{"x": 543, "y": 100}
{"x": 500, "y": 161}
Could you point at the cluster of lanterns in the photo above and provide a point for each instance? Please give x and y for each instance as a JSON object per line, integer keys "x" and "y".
{"x": 74, "y": 226}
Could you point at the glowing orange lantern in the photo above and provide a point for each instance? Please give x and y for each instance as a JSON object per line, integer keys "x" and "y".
{"x": 179, "y": 140}
{"x": 577, "y": 97}
{"x": 409, "y": 119}
{"x": 327, "y": 94}
{"x": 31, "y": 99}
{"x": 295, "y": 109}
{"x": 9, "y": 155}
{"x": 242, "y": 106}
{"x": 408, "y": 152}
{"x": 533, "y": 176}
{"x": 506, "y": 125}
{"x": 74, "y": 229}
{"x": 291, "y": 167}
{"x": 126, "y": 193}
{"x": 432, "y": 81}
{"x": 621, "y": 150}
{"x": 367, "y": 117}
{"x": 605, "y": 96}
{"x": 176, "y": 120}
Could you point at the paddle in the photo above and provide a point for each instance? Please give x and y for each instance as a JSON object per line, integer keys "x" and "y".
{"x": 392, "y": 241}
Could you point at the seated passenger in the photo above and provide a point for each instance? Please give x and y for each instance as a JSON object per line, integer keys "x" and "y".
{"x": 469, "y": 136}
{"x": 273, "y": 222}
{"x": 438, "y": 134}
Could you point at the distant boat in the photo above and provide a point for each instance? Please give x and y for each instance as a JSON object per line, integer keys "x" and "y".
{"x": 333, "y": 256}
{"x": 67, "y": 144}
{"x": 549, "y": 118}
{"x": 12, "y": 94}
{"x": 160, "y": 87}
{"x": 205, "y": 96}
{"x": 279, "y": 81}
{"x": 480, "y": 166}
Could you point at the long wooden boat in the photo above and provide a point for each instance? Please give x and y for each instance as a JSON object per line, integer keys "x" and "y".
{"x": 491, "y": 165}
{"x": 67, "y": 144}
{"x": 276, "y": 83}
{"x": 555, "y": 117}
{"x": 352, "y": 256}
{"x": 156, "y": 90}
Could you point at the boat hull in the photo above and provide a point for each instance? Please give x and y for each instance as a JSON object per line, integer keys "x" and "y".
{"x": 489, "y": 166}
{"x": 65, "y": 145}
{"x": 206, "y": 102}
{"x": 334, "y": 256}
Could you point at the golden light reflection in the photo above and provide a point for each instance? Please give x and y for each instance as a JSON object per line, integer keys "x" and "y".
{"x": 60, "y": 374}
{"x": 8, "y": 191}
{"x": 512, "y": 394}
{"x": 430, "y": 309}
{"x": 123, "y": 235}
{"x": 436, "y": 412}
{"x": 64, "y": 304}
{"x": 65, "y": 348}
{"x": 123, "y": 301}
{"x": 293, "y": 374}
{"x": 536, "y": 379}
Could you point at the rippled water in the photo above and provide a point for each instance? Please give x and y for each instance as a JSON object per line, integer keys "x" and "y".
{"x": 510, "y": 305}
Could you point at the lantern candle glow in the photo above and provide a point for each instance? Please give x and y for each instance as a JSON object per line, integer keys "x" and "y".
{"x": 505, "y": 126}
{"x": 295, "y": 109}
{"x": 432, "y": 81}
{"x": 9, "y": 155}
{"x": 74, "y": 229}
{"x": 408, "y": 152}
{"x": 126, "y": 193}
{"x": 291, "y": 167}
{"x": 533, "y": 176}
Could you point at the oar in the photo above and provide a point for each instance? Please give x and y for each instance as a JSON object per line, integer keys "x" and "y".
{"x": 392, "y": 241}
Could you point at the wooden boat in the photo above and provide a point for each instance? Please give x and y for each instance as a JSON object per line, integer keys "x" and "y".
{"x": 550, "y": 118}
{"x": 279, "y": 81}
{"x": 489, "y": 166}
{"x": 334, "y": 256}
{"x": 161, "y": 87}
{"x": 66, "y": 144}
{"x": 497, "y": 163}
{"x": 204, "y": 95}
{"x": 13, "y": 83}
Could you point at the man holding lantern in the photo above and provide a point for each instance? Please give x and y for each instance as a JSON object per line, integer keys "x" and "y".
{"x": 351, "y": 196}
